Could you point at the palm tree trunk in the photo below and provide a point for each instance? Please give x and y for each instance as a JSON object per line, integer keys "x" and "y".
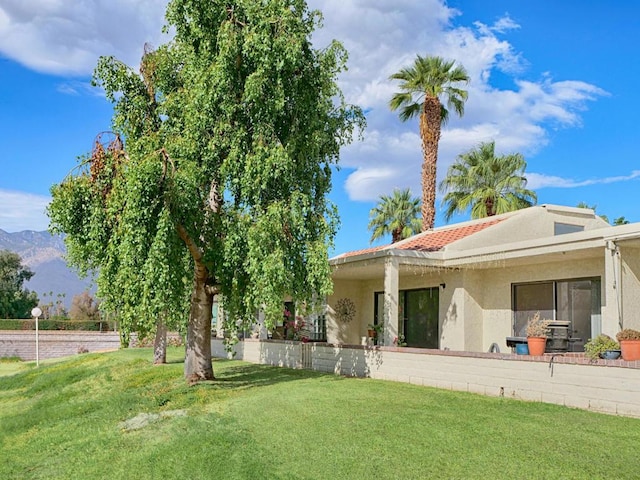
{"x": 430, "y": 122}
{"x": 489, "y": 205}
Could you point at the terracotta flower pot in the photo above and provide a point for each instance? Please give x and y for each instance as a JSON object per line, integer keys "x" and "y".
{"x": 630, "y": 349}
{"x": 536, "y": 345}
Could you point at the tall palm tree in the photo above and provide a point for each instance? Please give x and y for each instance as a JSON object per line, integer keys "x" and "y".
{"x": 422, "y": 86}
{"x": 486, "y": 183}
{"x": 396, "y": 214}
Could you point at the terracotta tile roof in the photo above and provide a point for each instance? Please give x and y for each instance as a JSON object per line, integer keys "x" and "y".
{"x": 363, "y": 251}
{"x": 430, "y": 241}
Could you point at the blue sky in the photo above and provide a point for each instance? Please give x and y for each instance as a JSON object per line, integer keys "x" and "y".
{"x": 553, "y": 80}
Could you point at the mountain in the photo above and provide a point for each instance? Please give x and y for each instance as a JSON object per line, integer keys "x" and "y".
{"x": 44, "y": 254}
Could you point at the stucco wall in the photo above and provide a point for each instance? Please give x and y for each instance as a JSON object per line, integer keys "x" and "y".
{"x": 528, "y": 224}
{"x": 630, "y": 287}
{"x": 496, "y": 299}
{"x": 337, "y": 331}
{"x": 475, "y": 304}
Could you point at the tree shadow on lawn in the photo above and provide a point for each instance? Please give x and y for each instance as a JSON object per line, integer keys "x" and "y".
{"x": 232, "y": 374}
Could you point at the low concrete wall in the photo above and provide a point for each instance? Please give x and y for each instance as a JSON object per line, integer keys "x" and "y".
{"x": 54, "y": 343}
{"x": 62, "y": 343}
{"x": 570, "y": 380}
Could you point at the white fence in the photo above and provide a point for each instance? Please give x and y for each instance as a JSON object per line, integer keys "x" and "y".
{"x": 570, "y": 380}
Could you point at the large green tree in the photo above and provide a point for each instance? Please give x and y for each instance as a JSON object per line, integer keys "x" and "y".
{"x": 15, "y": 300}
{"x": 486, "y": 183}
{"x": 423, "y": 88}
{"x": 231, "y": 130}
{"x": 396, "y": 214}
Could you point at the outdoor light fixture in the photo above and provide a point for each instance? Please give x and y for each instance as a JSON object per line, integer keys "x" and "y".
{"x": 443, "y": 286}
{"x": 36, "y": 312}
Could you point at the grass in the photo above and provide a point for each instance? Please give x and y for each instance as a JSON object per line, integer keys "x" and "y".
{"x": 64, "y": 420}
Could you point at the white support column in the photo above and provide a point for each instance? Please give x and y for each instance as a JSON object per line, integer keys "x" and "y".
{"x": 391, "y": 283}
{"x": 612, "y": 301}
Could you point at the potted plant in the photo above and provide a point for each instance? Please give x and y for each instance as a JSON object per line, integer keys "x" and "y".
{"x": 375, "y": 331}
{"x": 629, "y": 343}
{"x": 602, "y": 346}
{"x": 371, "y": 331}
{"x": 399, "y": 341}
{"x": 537, "y": 334}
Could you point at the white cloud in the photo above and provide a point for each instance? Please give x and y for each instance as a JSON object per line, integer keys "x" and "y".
{"x": 536, "y": 181}
{"x": 79, "y": 88}
{"x": 63, "y": 37}
{"x": 23, "y": 211}
{"x": 384, "y": 39}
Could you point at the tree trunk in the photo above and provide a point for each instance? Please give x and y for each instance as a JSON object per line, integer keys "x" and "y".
{"x": 197, "y": 362}
{"x": 489, "y": 205}
{"x": 396, "y": 235}
{"x": 160, "y": 343}
{"x": 430, "y": 122}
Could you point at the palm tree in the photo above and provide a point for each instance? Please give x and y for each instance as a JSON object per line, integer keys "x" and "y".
{"x": 616, "y": 221}
{"x": 422, "y": 85}
{"x": 396, "y": 214}
{"x": 593, "y": 207}
{"x": 486, "y": 183}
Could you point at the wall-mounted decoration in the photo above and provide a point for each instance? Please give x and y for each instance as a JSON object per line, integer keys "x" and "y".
{"x": 345, "y": 310}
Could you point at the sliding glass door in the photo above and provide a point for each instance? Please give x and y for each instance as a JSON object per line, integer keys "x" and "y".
{"x": 577, "y": 301}
{"x": 418, "y": 316}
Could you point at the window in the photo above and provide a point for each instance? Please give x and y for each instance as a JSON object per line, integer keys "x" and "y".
{"x": 529, "y": 299}
{"x": 562, "y": 228}
{"x": 577, "y": 301}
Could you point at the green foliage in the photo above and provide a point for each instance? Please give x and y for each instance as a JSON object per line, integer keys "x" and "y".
{"x": 616, "y": 221}
{"x": 54, "y": 308}
{"x": 397, "y": 215}
{"x": 430, "y": 77}
{"x": 15, "y": 301}
{"x": 486, "y": 184}
{"x": 600, "y": 344}
{"x": 65, "y": 421}
{"x": 231, "y": 130}
{"x": 425, "y": 87}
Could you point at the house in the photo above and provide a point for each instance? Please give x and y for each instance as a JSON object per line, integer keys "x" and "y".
{"x": 467, "y": 286}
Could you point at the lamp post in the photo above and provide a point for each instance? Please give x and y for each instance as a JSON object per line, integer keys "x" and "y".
{"x": 36, "y": 312}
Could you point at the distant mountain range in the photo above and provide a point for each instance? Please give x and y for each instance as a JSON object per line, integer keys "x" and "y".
{"x": 44, "y": 254}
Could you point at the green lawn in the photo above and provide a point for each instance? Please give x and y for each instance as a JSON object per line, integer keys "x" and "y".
{"x": 73, "y": 418}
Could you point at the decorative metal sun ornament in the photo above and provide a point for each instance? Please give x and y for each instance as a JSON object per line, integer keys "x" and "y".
{"x": 345, "y": 310}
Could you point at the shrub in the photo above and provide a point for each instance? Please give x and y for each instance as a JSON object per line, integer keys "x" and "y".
{"x": 537, "y": 327}
{"x": 600, "y": 344}
{"x": 628, "y": 334}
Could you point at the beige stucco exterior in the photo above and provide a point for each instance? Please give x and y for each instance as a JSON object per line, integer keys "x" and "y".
{"x": 475, "y": 275}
